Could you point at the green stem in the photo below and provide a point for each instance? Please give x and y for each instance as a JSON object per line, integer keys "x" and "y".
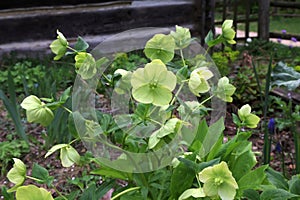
{"x": 67, "y": 109}
{"x": 182, "y": 57}
{"x": 35, "y": 179}
{"x": 58, "y": 192}
{"x": 267, "y": 142}
{"x": 124, "y": 192}
{"x": 72, "y": 49}
{"x": 178, "y": 91}
{"x": 206, "y": 52}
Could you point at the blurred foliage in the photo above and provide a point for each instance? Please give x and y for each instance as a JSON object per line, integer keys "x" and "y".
{"x": 225, "y": 59}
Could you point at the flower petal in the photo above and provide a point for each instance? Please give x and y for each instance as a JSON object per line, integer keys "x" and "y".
{"x": 210, "y": 189}
{"x": 161, "y": 96}
{"x": 143, "y": 94}
{"x": 226, "y": 191}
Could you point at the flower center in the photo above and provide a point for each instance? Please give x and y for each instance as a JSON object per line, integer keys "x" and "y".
{"x": 153, "y": 85}
{"x": 218, "y": 181}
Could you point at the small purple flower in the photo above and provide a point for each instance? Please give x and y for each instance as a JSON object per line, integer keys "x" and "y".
{"x": 294, "y": 39}
{"x": 279, "y": 40}
{"x": 271, "y": 126}
{"x": 283, "y": 31}
{"x": 278, "y": 148}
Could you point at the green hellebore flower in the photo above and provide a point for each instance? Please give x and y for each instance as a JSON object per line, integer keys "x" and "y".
{"x": 59, "y": 46}
{"x": 218, "y": 181}
{"x": 85, "y": 65}
{"x": 198, "y": 80}
{"x": 182, "y": 37}
{"x": 37, "y": 111}
{"x": 32, "y": 192}
{"x": 123, "y": 85}
{"x": 160, "y": 47}
{"x": 225, "y": 90}
{"x": 248, "y": 119}
{"x": 153, "y": 84}
{"x": 227, "y": 32}
{"x": 17, "y": 174}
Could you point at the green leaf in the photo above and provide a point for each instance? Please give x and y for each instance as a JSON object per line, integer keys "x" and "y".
{"x": 243, "y": 164}
{"x": 112, "y": 173}
{"x": 96, "y": 193}
{"x": 251, "y": 194}
{"x": 284, "y": 75}
{"x": 65, "y": 95}
{"x": 182, "y": 74}
{"x": 253, "y": 179}
{"x": 294, "y": 184}
{"x": 42, "y": 174}
{"x": 31, "y": 192}
{"x": 200, "y": 136}
{"x": 212, "y": 136}
{"x": 209, "y": 37}
{"x": 11, "y": 108}
{"x": 193, "y": 192}
{"x": 55, "y": 148}
{"x": 277, "y": 179}
{"x": 161, "y": 47}
{"x": 81, "y": 45}
{"x": 182, "y": 179}
{"x": 276, "y": 194}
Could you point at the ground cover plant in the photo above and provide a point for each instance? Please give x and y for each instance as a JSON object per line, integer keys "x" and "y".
{"x": 172, "y": 101}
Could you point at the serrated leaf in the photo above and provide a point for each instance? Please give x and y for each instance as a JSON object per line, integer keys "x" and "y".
{"x": 209, "y": 37}
{"x": 253, "y": 179}
{"x": 276, "y": 194}
{"x": 42, "y": 174}
{"x": 81, "y": 45}
{"x": 276, "y": 179}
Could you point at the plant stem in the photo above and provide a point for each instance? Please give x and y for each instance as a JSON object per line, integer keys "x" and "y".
{"x": 58, "y": 192}
{"x": 67, "y": 109}
{"x": 267, "y": 142}
{"x": 125, "y": 191}
{"x": 72, "y": 49}
{"x": 178, "y": 91}
{"x": 182, "y": 57}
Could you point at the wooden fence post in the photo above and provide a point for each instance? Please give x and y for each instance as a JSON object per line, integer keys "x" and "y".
{"x": 263, "y": 19}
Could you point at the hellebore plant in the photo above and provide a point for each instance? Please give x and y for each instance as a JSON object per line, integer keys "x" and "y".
{"x": 205, "y": 166}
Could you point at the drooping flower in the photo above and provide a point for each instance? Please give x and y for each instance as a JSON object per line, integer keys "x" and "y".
{"x": 37, "y": 111}
{"x": 59, "y": 46}
{"x": 225, "y": 90}
{"x": 218, "y": 181}
{"x": 198, "y": 80}
{"x": 153, "y": 84}
{"x": 182, "y": 37}
{"x": 283, "y": 31}
{"x": 271, "y": 126}
{"x": 278, "y": 147}
{"x": 228, "y": 33}
{"x": 160, "y": 47}
{"x": 247, "y": 118}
